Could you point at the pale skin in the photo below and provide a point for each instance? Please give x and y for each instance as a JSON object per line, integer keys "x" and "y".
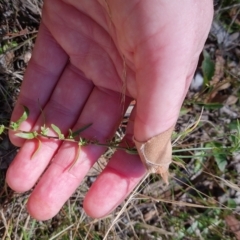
{"x": 88, "y": 55}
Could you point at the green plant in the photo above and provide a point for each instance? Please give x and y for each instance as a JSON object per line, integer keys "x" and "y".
{"x": 212, "y": 148}
{"x": 73, "y": 136}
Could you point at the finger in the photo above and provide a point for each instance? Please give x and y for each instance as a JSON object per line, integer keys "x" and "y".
{"x": 116, "y": 182}
{"x": 103, "y": 109}
{"x": 44, "y": 69}
{"x": 158, "y": 105}
{"x": 168, "y": 59}
{"x": 62, "y": 109}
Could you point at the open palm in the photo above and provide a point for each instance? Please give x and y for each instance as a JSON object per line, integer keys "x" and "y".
{"x": 90, "y": 60}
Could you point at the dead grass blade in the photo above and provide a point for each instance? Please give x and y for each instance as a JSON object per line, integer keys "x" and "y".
{"x": 61, "y": 232}
{"x": 124, "y": 206}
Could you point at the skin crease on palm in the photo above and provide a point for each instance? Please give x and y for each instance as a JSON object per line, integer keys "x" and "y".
{"x": 77, "y": 74}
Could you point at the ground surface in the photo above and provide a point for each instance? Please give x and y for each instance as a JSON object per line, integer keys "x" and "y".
{"x": 202, "y": 201}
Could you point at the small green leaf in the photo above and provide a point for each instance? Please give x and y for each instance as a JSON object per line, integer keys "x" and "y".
{"x": 231, "y": 203}
{"x": 44, "y": 130}
{"x": 184, "y": 111}
{"x": 193, "y": 227}
{"x": 24, "y": 115}
{"x": 219, "y": 155}
{"x": 221, "y": 161}
{"x": 77, "y": 132}
{"x": 82, "y": 142}
{"x": 208, "y": 67}
{"x": 8, "y": 46}
{"x": 27, "y": 135}
{"x": 233, "y": 125}
{"x": 2, "y": 127}
{"x": 58, "y": 131}
{"x": 15, "y": 125}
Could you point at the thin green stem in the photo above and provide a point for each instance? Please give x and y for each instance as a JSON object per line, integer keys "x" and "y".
{"x": 192, "y": 156}
{"x": 117, "y": 147}
{"x": 197, "y": 149}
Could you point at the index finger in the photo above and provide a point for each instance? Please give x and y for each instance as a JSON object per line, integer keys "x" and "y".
{"x": 44, "y": 69}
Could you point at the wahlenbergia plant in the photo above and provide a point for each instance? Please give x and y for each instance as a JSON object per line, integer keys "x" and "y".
{"x": 75, "y": 136}
{"x": 72, "y": 136}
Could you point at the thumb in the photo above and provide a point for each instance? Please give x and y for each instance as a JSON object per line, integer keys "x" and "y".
{"x": 165, "y": 63}
{"x": 157, "y": 110}
{"x": 162, "y": 85}
{"x": 159, "y": 101}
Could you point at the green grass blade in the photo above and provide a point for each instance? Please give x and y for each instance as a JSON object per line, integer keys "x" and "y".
{"x": 77, "y": 132}
{"x": 2, "y": 127}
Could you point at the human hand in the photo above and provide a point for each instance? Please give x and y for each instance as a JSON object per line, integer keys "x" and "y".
{"x": 87, "y": 55}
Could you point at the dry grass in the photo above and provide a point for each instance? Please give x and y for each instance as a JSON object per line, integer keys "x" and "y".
{"x": 199, "y": 197}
